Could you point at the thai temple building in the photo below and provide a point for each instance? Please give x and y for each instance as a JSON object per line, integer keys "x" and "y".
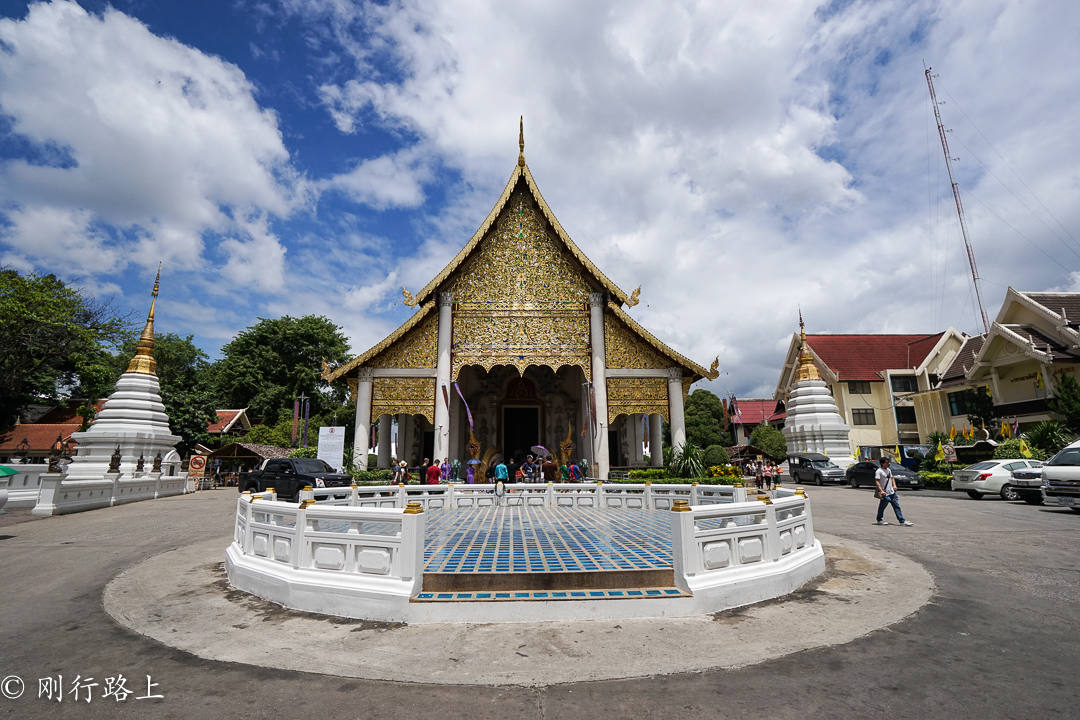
{"x": 128, "y": 453}
{"x": 814, "y": 423}
{"x": 520, "y": 342}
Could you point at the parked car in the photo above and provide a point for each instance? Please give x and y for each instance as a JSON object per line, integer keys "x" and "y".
{"x": 814, "y": 468}
{"x": 1027, "y": 483}
{"x": 862, "y": 473}
{"x": 288, "y": 476}
{"x": 1061, "y": 478}
{"x": 991, "y": 477}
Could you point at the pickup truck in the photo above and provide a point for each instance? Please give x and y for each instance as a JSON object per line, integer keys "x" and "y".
{"x": 288, "y": 476}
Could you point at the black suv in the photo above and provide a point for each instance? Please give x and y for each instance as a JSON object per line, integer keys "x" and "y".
{"x": 288, "y": 476}
{"x": 862, "y": 473}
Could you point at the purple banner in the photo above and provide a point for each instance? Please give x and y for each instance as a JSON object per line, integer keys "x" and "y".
{"x": 467, "y": 410}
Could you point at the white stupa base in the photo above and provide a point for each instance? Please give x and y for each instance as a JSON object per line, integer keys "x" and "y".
{"x": 814, "y": 424}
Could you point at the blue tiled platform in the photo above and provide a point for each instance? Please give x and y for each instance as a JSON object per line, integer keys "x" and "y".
{"x": 546, "y": 539}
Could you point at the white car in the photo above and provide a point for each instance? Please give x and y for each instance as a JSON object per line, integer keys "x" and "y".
{"x": 991, "y": 477}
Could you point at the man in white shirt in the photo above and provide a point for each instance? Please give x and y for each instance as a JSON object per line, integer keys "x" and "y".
{"x": 887, "y": 489}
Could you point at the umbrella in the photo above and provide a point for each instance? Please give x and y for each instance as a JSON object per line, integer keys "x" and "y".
{"x": 474, "y": 461}
{"x": 5, "y": 471}
{"x": 540, "y": 450}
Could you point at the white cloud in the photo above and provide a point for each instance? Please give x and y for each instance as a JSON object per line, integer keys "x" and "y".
{"x": 738, "y": 159}
{"x": 158, "y": 145}
{"x": 388, "y": 181}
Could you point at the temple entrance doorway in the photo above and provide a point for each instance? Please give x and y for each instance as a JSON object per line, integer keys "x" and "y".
{"x": 521, "y": 430}
{"x": 614, "y": 456}
{"x": 429, "y": 445}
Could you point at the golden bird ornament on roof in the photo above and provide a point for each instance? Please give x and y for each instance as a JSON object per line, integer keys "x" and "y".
{"x": 634, "y": 297}
{"x": 714, "y": 369}
{"x": 409, "y": 299}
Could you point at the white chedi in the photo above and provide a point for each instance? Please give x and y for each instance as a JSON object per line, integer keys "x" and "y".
{"x": 814, "y": 423}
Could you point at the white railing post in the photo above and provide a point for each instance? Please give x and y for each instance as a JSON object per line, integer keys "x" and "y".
{"x": 683, "y": 544}
{"x": 773, "y": 533}
{"x": 402, "y": 497}
{"x": 646, "y": 497}
{"x": 412, "y": 546}
{"x": 354, "y": 495}
{"x": 738, "y": 493}
{"x": 245, "y": 505}
{"x": 299, "y": 544}
{"x": 600, "y": 493}
{"x": 694, "y": 497}
{"x": 550, "y": 495}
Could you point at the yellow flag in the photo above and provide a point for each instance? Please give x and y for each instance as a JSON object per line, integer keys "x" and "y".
{"x": 988, "y": 394}
{"x": 1039, "y": 381}
{"x": 1024, "y": 449}
{"x": 858, "y": 452}
{"x": 940, "y": 454}
{"x": 952, "y": 433}
{"x": 899, "y": 455}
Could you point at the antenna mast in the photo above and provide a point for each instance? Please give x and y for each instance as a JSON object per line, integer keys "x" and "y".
{"x": 959, "y": 204}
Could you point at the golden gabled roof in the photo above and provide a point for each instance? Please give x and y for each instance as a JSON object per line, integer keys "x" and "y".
{"x": 521, "y": 171}
{"x": 332, "y": 375}
{"x": 648, "y": 337}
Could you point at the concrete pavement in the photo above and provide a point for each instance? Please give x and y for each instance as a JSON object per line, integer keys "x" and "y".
{"x": 998, "y": 639}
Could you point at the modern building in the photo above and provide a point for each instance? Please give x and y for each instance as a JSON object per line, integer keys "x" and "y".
{"x": 874, "y": 379}
{"x": 1033, "y": 340}
{"x": 520, "y": 342}
{"x": 753, "y": 412}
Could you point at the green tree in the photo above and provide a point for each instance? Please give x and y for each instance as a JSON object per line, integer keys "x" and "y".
{"x": 279, "y": 434}
{"x": 1066, "y": 401}
{"x": 770, "y": 440}
{"x": 980, "y": 409}
{"x": 1049, "y": 436}
{"x": 715, "y": 455}
{"x": 184, "y": 373}
{"x": 704, "y": 417}
{"x": 269, "y": 364}
{"x": 52, "y": 339}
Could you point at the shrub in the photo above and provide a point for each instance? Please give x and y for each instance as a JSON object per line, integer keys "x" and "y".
{"x": 649, "y": 474}
{"x": 936, "y": 479}
{"x": 1011, "y": 449}
{"x": 304, "y": 452}
{"x": 1049, "y": 436}
{"x": 687, "y": 462}
{"x": 726, "y": 472}
{"x": 715, "y": 455}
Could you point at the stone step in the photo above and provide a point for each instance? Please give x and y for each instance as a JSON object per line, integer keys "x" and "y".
{"x": 547, "y": 595}
{"x": 595, "y": 580}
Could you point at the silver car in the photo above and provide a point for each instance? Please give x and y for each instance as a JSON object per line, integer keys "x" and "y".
{"x": 1061, "y": 478}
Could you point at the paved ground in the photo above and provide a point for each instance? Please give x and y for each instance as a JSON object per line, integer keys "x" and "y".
{"x": 998, "y": 641}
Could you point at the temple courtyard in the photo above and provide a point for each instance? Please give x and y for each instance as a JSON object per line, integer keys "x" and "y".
{"x": 970, "y": 613}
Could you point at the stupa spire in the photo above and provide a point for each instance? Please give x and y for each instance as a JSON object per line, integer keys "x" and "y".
{"x": 807, "y": 370}
{"x": 144, "y": 362}
{"x": 521, "y": 141}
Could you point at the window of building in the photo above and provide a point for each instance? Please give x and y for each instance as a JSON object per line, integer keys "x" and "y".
{"x": 904, "y": 383}
{"x": 858, "y": 388}
{"x": 906, "y": 416}
{"x": 862, "y": 417}
{"x": 958, "y": 403}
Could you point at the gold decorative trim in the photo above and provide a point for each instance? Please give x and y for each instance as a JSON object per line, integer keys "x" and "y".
{"x": 627, "y": 396}
{"x": 520, "y": 172}
{"x": 648, "y": 337}
{"x": 403, "y": 396}
{"x": 387, "y": 342}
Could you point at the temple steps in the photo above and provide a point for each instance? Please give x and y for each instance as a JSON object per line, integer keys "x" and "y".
{"x": 571, "y": 585}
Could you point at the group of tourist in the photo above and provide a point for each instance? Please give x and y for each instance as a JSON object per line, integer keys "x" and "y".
{"x": 766, "y": 473}
{"x": 534, "y": 469}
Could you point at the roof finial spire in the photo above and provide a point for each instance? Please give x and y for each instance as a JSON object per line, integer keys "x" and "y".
{"x": 521, "y": 141}
{"x": 144, "y": 362}
{"x": 806, "y": 369}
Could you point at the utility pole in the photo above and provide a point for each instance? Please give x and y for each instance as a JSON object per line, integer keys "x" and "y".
{"x": 959, "y": 204}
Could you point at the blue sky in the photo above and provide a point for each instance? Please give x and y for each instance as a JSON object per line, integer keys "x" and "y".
{"x": 737, "y": 160}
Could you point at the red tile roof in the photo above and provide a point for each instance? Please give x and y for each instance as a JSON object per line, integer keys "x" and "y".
{"x": 862, "y": 357}
{"x": 39, "y": 436}
{"x": 224, "y": 418}
{"x": 67, "y": 413}
{"x": 754, "y": 412}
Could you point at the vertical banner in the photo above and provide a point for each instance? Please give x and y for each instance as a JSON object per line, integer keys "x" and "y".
{"x": 307, "y": 414}
{"x": 295, "y": 420}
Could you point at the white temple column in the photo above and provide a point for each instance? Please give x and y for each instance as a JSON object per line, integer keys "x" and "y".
{"x": 599, "y": 379}
{"x": 361, "y": 441}
{"x": 675, "y": 407}
{"x": 442, "y": 377}
{"x": 384, "y": 441}
{"x": 639, "y": 439}
{"x": 656, "y": 440}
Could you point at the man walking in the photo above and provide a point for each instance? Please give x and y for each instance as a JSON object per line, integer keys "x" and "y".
{"x": 501, "y": 473}
{"x": 887, "y": 491}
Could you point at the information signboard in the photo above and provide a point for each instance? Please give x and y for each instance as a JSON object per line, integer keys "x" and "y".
{"x": 332, "y": 447}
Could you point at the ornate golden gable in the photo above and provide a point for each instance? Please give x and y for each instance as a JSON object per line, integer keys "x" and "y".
{"x": 520, "y": 299}
{"x": 418, "y": 348}
{"x": 624, "y": 348}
